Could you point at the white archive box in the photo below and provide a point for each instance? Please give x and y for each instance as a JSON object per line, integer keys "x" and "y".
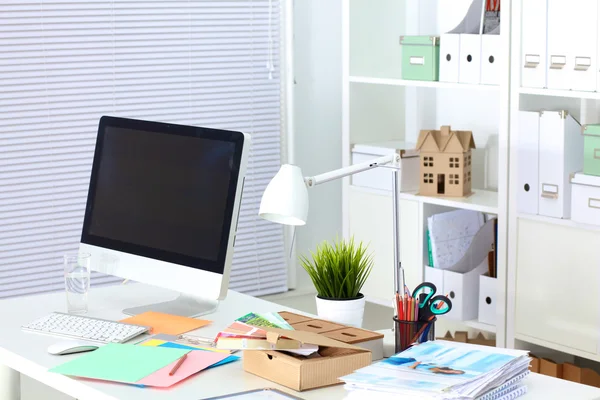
{"x": 572, "y": 44}
{"x": 583, "y": 35}
{"x": 488, "y": 291}
{"x": 462, "y": 289}
{"x": 449, "y": 57}
{"x": 558, "y": 61}
{"x": 528, "y": 159}
{"x": 491, "y": 53}
{"x": 469, "y": 69}
{"x": 533, "y": 45}
{"x": 381, "y": 178}
{"x": 585, "y": 199}
{"x": 560, "y": 155}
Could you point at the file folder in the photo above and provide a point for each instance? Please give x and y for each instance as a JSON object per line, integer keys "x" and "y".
{"x": 470, "y": 59}
{"x": 449, "y": 57}
{"x": 561, "y": 154}
{"x": 528, "y": 162}
{"x": 533, "y": 49}
{"x": 560, "y": 61}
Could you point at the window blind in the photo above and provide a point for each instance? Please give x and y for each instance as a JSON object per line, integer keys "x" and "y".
{"x": 63, "y": 64}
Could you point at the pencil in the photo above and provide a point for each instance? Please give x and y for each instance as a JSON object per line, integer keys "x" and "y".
{"x": 176, "y": 367}
{"x": 416, "y": 337}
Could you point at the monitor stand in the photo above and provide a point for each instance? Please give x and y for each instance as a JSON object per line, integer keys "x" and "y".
{"x": 184, "y": 305}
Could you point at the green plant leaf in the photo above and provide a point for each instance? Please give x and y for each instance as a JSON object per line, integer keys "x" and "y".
{"x": 338, "y": 270}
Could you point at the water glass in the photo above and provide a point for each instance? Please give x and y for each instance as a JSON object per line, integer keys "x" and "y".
{"x": 77, "y": 282}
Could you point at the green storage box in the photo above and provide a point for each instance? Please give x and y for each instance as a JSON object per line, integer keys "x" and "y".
{"x": 420, "y": 58}
{"x": 591, "y": 152}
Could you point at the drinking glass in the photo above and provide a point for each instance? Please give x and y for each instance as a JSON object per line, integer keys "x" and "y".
{"x": 77, "y": 282}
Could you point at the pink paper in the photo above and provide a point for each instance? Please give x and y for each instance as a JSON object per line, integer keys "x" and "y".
{"x": 195, "y": 362}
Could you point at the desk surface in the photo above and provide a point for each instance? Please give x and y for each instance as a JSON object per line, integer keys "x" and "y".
{"x": 26, "y": 352}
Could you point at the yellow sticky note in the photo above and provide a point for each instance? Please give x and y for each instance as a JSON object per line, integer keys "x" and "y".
{"x": 166, "y": 323}
{"x": 153, "y": 343}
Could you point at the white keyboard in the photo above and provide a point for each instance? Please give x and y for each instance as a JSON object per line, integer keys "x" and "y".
{"x": 85, "y": 328}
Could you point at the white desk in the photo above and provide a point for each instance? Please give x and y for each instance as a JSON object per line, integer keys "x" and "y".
{"x": 26, "y": 352}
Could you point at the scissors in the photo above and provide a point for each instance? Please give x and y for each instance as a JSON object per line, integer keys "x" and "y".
{"x": 429, "y": 304}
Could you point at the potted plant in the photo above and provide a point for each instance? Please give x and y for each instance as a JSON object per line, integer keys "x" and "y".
{"x": 339, "y": 271}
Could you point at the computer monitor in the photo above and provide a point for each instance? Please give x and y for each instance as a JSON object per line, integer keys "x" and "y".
{"x": 163, "y": 206}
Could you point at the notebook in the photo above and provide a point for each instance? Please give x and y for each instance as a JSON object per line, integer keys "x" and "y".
{"x": 507, "y": 389}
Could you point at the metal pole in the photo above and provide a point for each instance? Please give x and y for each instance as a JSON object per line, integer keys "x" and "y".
{"x": 10, "y": 383}
{"x": 397, "y": 285}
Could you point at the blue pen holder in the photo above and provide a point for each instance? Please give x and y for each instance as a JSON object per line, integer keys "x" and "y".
{"x": 405, "y": 332}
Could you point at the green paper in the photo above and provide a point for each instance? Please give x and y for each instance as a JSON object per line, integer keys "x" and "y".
{"x": 125, "y": 363}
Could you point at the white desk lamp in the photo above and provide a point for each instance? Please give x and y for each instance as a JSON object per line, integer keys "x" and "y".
{"x": 285, "y": 199}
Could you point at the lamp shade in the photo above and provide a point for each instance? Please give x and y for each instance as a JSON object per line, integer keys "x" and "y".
{"x": 285, "y": 199}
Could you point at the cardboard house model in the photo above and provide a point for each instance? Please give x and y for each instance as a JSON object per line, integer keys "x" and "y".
{"x": 445, "y": 162}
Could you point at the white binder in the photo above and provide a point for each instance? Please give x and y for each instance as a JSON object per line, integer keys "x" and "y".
{"x": 533, "y": 49}
{"x": 470, "y": 59}
{"x": 491, "y": 49}
{"x": 528, "y": 159}
{"x": 582, "y": 37}
{"x": 449, "y": 57}
{"x": 560, "y": 61}
{"x": 561, "y": 154}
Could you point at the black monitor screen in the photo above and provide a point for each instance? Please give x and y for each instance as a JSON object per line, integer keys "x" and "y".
{"x": 163, "y": 191}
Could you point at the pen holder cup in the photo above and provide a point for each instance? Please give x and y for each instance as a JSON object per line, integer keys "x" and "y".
{"x": 405, "y": 332}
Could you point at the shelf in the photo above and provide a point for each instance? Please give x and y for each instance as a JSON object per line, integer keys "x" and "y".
{"x": 481, "y": 326}
{"x": 557, "y": 221}
{"x": 557, "y": 347}
{"x": 484, "y": 201}
{"x": 428, "y": 84}
{"x": 561, "y": 93}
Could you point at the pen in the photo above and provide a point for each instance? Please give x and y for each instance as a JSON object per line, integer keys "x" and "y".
{"x": 176, "y": 367}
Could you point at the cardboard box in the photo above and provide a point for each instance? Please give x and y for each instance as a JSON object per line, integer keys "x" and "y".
{"x": 463, "y": 337}
{"x": 292, "y": 318}
{"x": 576, "y": 374}
{"x": 362, "y": 338}
{"x": 317, "y": 326}
{"x": 550, "y": 368}
{"x": 534, "y": 364}
{"x": 335, "y": 360}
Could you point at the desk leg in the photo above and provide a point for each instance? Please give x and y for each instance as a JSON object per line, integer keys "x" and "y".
{"x": 10, "y": 383}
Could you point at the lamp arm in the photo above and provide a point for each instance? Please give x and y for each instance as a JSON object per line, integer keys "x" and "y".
{"x": 311, "y": 181}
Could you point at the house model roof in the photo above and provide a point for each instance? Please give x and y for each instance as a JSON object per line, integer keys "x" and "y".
{"x": 445, "y": 140}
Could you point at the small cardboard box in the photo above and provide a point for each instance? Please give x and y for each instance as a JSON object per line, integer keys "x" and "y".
{"x": 317, "y": 326}
{"x": 292, "y": 318}
{"x": 335, "y": 360}
{"x": 550, "y": 368}
{"x": 534, "y": 364}
{"x": 362, "y": 338}
{"x": 577, "y": 374}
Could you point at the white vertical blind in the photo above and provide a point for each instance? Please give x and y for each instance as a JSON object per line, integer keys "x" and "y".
{"x": 63, "y": 64}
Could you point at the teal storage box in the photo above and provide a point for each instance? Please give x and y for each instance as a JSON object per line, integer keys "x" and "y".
{"x": 591, "y": 152}
{"x": 420, "y": 58}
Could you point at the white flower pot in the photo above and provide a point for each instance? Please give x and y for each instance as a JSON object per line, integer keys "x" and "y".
{"x": 347, "y": 312}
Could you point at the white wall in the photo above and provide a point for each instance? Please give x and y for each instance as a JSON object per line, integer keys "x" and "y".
{"x": 318, "y": 117}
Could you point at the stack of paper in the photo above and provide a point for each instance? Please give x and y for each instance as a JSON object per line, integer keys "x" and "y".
{"x": 443, "y": 370}
{"x": 245, "y": 334}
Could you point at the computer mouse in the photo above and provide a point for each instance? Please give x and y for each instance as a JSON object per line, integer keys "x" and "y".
{"x": 71, "y": 347}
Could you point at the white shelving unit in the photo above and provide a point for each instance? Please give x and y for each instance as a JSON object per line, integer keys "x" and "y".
{"x": 378, "y": 105}
{"x": 540, "y": 259}
{"x": 549, "y": 255}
